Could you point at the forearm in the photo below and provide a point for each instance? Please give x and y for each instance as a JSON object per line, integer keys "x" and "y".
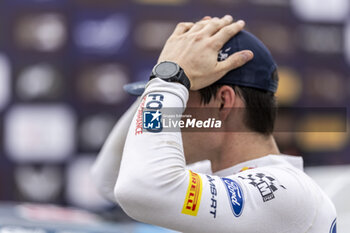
{"x": 106, "y": 167}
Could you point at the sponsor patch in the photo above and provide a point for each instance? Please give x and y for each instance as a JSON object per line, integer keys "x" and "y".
{"x": 266, "y": 185}
{"x": 214, "y": 193}
{"x": 333, "y": 227}
{"x": 139, "y": 128}
{"x": 246, "y": 168}
{"x": 235, "y": 194}
{"x": 152, "y": 116}
{"x": 193, "y": 195}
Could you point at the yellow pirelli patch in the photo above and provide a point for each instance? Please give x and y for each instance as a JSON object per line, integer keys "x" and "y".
{"x": 193, "y": 195}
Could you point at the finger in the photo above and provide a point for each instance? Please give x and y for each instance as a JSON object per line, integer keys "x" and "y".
{"x": 206, "y": 18}
{"x": 235, "y": 61}
{"x": 227, "y": 32}
{"x": 201, "y": 24}
{"x": 216, "y": 24}
{"x": 183, "y": 27}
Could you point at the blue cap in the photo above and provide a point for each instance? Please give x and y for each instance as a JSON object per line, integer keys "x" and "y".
{"x": 257, "y": 73}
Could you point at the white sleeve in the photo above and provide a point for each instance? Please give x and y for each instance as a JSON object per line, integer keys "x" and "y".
{"x": 155, "y": 187}
{"x": 104, "y": 171}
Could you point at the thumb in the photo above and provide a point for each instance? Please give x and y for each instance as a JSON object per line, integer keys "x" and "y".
{"x": 235, "y": 61}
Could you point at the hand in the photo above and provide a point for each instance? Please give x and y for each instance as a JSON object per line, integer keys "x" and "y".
{"x": 195, "y": 48}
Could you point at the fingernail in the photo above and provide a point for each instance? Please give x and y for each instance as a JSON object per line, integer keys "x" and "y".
{"x": 206, "y": 17}
{"x": 247, "y": 55}
{"x": 241, "y": 23}
{"x": 228, "y": 17}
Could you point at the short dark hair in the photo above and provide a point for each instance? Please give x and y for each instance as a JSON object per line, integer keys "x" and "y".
{"x": 260, "y": 105}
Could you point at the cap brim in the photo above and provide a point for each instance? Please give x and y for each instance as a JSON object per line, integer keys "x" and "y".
{"x": 136, "y": 88}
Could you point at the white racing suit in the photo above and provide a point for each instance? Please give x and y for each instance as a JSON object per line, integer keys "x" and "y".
{"x": 146, "y": 174}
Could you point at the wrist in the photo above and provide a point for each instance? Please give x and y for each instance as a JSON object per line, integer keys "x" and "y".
{"x": 158, "y": 85}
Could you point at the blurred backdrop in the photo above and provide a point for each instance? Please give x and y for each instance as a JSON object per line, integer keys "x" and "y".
{"x": 63, "y": 64}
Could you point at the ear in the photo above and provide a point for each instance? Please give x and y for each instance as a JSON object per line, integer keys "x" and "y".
{"x": 226, "y": 97}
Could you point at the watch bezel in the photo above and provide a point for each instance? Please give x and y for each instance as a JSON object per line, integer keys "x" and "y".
{"x": 178, "y": 76}
{"x": 168, "y": 76}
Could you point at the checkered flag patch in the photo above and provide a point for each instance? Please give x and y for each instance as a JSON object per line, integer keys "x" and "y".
{"x": 257, "y": 178}
{"x": 266, "y": 185}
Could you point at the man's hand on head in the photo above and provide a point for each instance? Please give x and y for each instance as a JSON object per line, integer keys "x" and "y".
{"x": 195, "y": 46}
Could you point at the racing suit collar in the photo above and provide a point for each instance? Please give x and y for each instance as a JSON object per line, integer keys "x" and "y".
{"x": 268, "y": 160}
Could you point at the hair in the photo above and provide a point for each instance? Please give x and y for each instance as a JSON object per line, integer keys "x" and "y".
{"x": 260, "y": 105}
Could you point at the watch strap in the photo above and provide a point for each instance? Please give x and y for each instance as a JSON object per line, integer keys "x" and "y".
{"x": 183, "y": 79}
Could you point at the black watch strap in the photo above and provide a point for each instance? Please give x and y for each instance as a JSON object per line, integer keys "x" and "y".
{"x": 183, "y": 79}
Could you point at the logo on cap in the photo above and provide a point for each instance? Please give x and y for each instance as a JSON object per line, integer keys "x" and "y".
{"x": 224, "y": 54}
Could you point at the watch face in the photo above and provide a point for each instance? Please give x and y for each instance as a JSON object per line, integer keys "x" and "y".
{"x": 166, "y": 70}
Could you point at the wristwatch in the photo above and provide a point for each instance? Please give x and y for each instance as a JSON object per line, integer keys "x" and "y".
{"x": 170, "y": 72}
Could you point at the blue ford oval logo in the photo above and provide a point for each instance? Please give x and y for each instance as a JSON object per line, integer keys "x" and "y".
{"x": 235, "y": 194}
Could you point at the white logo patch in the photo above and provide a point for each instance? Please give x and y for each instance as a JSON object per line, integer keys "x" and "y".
{"x": 223, "y": 55}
